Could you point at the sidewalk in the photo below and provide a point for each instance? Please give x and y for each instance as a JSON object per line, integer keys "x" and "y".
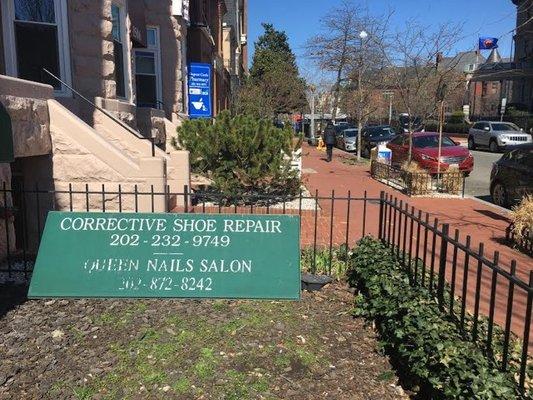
{"x": 483, "y": 222}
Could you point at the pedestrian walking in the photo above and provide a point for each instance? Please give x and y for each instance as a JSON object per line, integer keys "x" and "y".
{"x": 329, "y": 139}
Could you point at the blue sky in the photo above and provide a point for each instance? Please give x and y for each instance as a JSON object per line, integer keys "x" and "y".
{"x": 300, "y": 19}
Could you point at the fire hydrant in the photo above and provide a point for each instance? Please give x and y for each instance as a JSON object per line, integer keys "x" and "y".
{"x": 321, "y": 146}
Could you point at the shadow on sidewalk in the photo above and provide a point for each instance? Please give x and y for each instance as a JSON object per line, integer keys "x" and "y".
{"x": 492, "y": 215}
{"x": 11, "y": 296}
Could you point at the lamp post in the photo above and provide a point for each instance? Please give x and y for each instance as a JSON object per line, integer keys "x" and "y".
{"x": 311, "y": 98}
{"x": 362, "y": 35}
{"x": 390, "y": 95}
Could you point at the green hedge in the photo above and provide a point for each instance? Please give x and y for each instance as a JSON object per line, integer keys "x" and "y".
{"x": 449, "y": 127}
{"x": 426, "y": 346}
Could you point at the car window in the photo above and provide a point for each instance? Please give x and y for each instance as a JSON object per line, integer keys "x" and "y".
{"x": 478, "y": 125}
{"x": 397, "y": 140}
{"x": 350, "y": 133}
{"x": 498, "y": 127}
{"x": 522, "y": 156}
{"x": 423, "y": 142}
{"x": 381, "y": 132}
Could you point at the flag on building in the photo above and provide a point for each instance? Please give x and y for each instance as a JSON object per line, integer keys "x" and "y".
{"x": 488, "y": 43}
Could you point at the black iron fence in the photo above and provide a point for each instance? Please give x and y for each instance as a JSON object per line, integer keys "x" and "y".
{"x": 467, "y": 282}
{"x": 327, "y": 221}
{"x": 473, "y": 288}
{"x": 419, "y": 183}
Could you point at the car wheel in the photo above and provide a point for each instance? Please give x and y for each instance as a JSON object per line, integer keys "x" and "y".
{"x": 499, "y": 195}
{"x": 471, "y": 143}
{"x": 494, "y": 146}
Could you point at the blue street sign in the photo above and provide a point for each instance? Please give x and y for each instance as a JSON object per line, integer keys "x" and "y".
{"x": 200, "y": 90}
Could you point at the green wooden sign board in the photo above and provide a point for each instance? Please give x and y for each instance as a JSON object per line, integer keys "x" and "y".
{"x": 107, "y": 255}
{"x": 6, "y": 136}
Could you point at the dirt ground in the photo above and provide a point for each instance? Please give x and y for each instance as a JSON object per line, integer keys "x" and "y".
{"x": 187, "y": 349}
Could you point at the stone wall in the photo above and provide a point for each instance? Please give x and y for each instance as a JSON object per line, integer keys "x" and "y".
{"x": 31, "y": 125}
{"x": 151, "y": 123}
{"x": 172, "y": 32}
{"x": 91, "y": 54}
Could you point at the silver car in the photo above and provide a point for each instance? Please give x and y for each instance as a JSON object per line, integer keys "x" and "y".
{"x": 496, "y": 135}
{"x": 347, "y": 139}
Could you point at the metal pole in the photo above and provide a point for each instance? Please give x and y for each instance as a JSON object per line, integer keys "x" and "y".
{"x": 312, "y": 133}
{"x": 390, "y": 108}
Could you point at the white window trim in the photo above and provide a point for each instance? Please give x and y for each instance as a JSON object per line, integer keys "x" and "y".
{"x": 10, "y": 51}
{"x": 126, "y": 49}
{"x": 156, "y": 50}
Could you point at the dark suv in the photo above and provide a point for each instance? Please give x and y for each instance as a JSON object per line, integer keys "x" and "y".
{"x": 512, "y": 176}
{"x": 373, "y": 135}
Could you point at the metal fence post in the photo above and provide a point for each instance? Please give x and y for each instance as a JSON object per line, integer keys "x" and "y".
{"x": 186, "y": 199}
{"x": 381, "y": 216}
{"x": 442, "y": 264}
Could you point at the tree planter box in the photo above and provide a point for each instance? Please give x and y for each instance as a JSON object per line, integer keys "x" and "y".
{"x": 524, "y": 244}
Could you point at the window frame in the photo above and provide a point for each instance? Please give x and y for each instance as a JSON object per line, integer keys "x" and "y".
{"x": 156, "y": 50}
{"x": 126, "y": 49}
{"x": 10, "y": 50}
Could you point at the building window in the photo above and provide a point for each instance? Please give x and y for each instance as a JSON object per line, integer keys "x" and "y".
{"x": 148, "y": 71}
{"x": 117, "y": 18}
{"x": 36, "y": 38}
{"x": 484, "y": 89}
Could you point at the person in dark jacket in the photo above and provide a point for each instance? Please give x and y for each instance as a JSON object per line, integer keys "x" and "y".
{"x": 329, "y": 140}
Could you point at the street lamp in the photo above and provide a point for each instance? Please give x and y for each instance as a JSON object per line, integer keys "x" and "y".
{"x": 362, "y": 35}
{"x": 390, "y": 95}
{"x": 311, "y": 93}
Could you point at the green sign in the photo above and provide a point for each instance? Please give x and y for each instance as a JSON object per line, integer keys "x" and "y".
{"x": 168, "y": 256}
{"x": 6, "y": 136}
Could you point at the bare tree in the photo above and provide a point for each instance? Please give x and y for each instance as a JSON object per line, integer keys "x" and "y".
{"x": 366, "y": 65}
{"x": 413, "y": 57}
{"x": 332, "y": 48}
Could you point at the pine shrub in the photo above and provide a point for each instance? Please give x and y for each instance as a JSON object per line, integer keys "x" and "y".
{"x": 242, "y": 155}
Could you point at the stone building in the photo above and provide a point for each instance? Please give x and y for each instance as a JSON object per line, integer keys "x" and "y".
{"x": 523, "y": 58}
{"x": 511, "y": 79}
{"x": 235, "y": 42}
{"x": 115, "y": 83}
{"x": 218, "y": 36}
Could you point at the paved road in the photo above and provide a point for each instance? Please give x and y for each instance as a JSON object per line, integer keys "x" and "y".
{"x": 478, "y": 183}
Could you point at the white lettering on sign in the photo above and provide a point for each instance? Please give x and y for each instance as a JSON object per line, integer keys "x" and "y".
{"x": 169, "y": 241}
{"x": 179, "y": 225}
{"x": 251, "y": 226}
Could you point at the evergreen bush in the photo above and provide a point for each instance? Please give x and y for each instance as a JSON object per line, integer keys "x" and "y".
{"x": 242, "y": 155}
{"x": 426, "y": 346}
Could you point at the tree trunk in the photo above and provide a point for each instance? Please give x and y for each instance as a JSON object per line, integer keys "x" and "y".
{"x": 336, "y": 95}
{"x": 359, "y": 116}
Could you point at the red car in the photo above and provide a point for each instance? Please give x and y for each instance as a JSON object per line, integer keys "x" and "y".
{"x": 426, "y": 151}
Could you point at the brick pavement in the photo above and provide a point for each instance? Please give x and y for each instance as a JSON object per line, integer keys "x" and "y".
{"x": 483, "y": 222}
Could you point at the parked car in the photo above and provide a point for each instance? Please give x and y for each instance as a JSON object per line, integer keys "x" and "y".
{"x": 347, "y": 139}
{"x": 496, "y": 135}
{"x": 512, "y": 176}
{"x": 426, "y": 152}
{"x": 371, "y": 136}
{"x": 402, "y": 123}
